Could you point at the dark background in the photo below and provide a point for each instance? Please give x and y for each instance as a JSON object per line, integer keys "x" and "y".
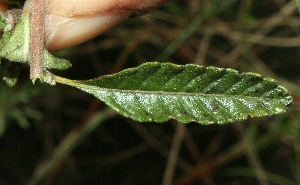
{"x": 247, "y": 35}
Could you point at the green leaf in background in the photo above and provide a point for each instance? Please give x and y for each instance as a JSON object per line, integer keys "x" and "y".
{"x": 2, "y": 22}
{"x": 15, "y": 106}
{"x": 298, "y": 4}
{"x": 11, "y": 73}
{"x": 161, "y": 91}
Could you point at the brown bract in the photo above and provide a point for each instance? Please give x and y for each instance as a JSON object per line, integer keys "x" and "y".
{"x": 3, "y": 7}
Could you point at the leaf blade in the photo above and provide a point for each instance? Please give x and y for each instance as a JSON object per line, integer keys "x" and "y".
{"x": 162, "y": 91}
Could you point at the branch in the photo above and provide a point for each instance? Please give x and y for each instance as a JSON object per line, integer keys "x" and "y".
{"x": 37, "y": 39}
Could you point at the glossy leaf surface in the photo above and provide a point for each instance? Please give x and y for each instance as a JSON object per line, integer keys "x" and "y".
{"x": 162, "y": 91}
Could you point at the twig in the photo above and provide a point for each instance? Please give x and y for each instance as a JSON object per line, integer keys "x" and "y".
{"x": 266, "y": 28}
{"x": 159, "y": 146}
{"x": 69, "y": 143}
{"x": 37, "y": 39}
{"x": 252, "y": 156}
{"x": 173, "y": 154}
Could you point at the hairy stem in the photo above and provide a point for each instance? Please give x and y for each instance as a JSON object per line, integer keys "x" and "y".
{"x": 37, "y": 39}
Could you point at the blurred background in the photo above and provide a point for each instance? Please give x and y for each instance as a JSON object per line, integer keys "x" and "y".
{"x": 62, "y": 136}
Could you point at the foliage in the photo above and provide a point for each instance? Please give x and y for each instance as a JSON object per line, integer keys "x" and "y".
{"x": 298, "y": 4}
{"x": 155, "y": 92}
{"x": 12, "y": 50}
{"x": 13, "y": 107}
{"x": 2, "y": 22}
{"x": 160, "y": 91}
{"x": 67, "y": 145}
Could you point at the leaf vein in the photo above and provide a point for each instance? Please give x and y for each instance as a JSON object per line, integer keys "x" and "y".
{"x": 149, "y": 76}
{"x": 206, "y": 88}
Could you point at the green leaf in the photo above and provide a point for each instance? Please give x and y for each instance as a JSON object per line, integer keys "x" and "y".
{"x": 298, "y": 4}
{"x": 2, "y": 22}
{"x": 11, "y": 73}
{"x": 15, "y": 42}
{"x": 161, "y": 91}
{"x": 15, "y": 46}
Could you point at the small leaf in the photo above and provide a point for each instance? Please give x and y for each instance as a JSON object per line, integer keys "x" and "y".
{"x": 2, "y": 22}
{"x": 52, "y": 62}
{"x": 15, "y": 46}
{"x": 11, "y": 73}
{"x": 161, "y": 91}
